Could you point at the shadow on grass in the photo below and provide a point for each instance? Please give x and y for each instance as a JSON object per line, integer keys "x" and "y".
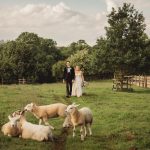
{"x": 136, "y": 91}
{"x": 59, "y": 98}
{"x": 89, "y": 94}
{"x": 60, "y": 140}
{"x": 105, "y": 139}
{"x": 142, "y": 91}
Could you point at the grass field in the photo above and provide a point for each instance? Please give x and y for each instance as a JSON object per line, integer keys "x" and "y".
{"x": 121, "y": 119}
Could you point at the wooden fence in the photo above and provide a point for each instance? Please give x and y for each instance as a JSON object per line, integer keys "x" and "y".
{"x": 22, "y": 81}
{"x": 141, "y": 81}
{"x": 122, "y": 83}
{"x": 125, "y": 83}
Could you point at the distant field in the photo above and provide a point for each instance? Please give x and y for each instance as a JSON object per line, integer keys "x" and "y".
{"x": 121, "y": 119}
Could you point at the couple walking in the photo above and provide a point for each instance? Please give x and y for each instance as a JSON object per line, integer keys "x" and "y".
{"x": 74, "y": 80}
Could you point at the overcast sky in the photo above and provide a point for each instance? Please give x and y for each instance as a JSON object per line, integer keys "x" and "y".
{"x": 64, "y": 21}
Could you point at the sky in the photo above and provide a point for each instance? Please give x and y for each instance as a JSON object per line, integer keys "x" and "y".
{"x": 64, "y": 21}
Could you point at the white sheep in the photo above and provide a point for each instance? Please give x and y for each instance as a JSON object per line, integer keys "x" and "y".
{"x": 82, "y": 117}
{"x": 47, "y": 111}
{"x": 11, "y": 128}
{"x": 32, "y": 131}
{"x": 67, "y": 122}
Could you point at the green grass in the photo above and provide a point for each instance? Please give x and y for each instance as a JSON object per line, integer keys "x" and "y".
{"x": 121, "y": 119}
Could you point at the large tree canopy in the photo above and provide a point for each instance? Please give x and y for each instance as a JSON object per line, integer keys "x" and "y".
{"x": 30, "y": 57}
{"x": 126, "y": 38}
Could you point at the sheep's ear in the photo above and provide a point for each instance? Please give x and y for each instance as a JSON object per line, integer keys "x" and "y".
{"x": 9, "y": 117}
{"x": 77, "y": 105}
{"x": 17, "y": 112}
{"x": 22, "y": 112}
{"x": 33, "y": 104}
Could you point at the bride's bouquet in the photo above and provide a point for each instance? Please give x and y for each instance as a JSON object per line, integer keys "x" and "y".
{"x": 85, "y": 84}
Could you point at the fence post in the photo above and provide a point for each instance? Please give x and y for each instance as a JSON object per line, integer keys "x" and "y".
{"x": 22, "y": 81}
{"x": 135, "y": 80}
{"x": 145, "y": 81}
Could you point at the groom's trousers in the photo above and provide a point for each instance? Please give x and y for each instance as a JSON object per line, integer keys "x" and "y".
{"x": 68, "y": 88}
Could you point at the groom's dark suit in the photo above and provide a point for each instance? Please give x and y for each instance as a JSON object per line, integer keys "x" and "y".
{"x": 68, "y": 77}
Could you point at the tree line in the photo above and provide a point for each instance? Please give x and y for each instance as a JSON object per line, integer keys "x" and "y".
{"x": 125, "y": 48}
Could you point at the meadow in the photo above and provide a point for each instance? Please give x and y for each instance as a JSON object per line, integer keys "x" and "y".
{"x": 121, "y": 119}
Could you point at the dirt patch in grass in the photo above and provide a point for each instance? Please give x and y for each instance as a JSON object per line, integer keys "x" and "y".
{"x": 60, "y": 140}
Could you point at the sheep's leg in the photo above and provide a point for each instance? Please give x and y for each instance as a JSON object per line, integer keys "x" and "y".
{"x": 49, "y": 125}
{"x": 46, "y": 123}
{"x": 89, "y": 127}
{"x": 82, "y": 135}
{"x": 85, "y": 131}
{"x": 51, "y": 138}
{"x": 40, "y": 121}
{"x": 74, "y": 129}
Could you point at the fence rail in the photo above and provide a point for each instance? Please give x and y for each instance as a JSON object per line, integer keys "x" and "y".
{"x": 122, "y": 83}
{"x": 19, "y": 81}
{"x": 22, "y": 81}
{"x": 141, "y": 81}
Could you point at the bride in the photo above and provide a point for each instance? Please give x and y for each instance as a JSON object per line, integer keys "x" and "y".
{"x": 78, "y": 82}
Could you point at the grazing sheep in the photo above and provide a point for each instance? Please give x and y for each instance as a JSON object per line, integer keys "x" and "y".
{"x": 82, "y": 117}
{"x": 11, "y": 128}
{"x": 67, "y": 122}
{"x": 33, "y": 131}
{"x": 47, "y": 111}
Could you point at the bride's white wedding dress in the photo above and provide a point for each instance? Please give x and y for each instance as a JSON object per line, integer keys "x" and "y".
{"x": 77, "y": 85}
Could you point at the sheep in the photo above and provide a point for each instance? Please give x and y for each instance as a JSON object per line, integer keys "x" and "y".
{"x": 17, "y": 112}
{"x": 67, "y": 122}
{"x": 47, "y": 111}
{"x": 11, "y": 128}
{"x": 33, "y": 131}
{"x": 82, "y": 117}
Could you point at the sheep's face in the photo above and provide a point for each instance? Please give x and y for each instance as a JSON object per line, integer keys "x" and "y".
{"x": 18, "y": 112}
{"x": 13, "y": 120}
{"x": 29, "y": 107}
{"x": 71, "y": 109}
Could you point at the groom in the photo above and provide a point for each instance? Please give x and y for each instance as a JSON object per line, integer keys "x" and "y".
{"x": 68, "y": 77}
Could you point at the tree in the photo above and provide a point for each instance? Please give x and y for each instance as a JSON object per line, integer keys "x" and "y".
{"x": 82, "y": 59}
{"x": 73, "y": 48}
{"x": 6, "y": 64}
{"x": 126, "y": 38}
{"x": 57, "y": 70}
{"x": 28, "y": 38}
{"x": 144, "y": 66}
{"x": 99, "y": 59}
{"x": 30, "y": 57}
